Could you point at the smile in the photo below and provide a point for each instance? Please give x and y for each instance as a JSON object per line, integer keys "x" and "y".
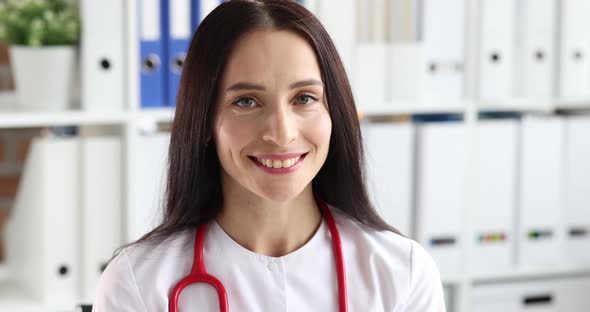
{"x": 278, "y": 165}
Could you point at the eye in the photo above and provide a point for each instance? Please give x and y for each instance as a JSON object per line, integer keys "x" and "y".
{"x": 306, "y": 99}
{"x": 245, "y": 102}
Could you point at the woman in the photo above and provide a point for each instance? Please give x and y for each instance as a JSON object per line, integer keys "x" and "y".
{"x": 265, "y": 134}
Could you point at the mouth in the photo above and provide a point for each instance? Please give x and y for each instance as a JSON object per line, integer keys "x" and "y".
{"x": 278, "y": 165}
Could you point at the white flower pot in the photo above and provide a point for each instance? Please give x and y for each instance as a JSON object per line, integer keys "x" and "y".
{"x": 43, "y": 76}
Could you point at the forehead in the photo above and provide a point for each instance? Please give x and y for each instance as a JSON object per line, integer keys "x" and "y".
{"x": 264, "y": 55}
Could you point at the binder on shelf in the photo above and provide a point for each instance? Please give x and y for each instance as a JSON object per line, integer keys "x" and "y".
{"x": 152, "y": 75}
{"x": 42, "y": 234}
{"x": 406, "y": 80}
{"x": 102, "y": 55}
{"x": 535, "y": 56}
{"x": 574, "y": 56}
{"x": 179, "y": 31}
{"x": 102, "y": 206}
{"x": 576, "y": 209}
{"x": 389, "y": 150}
{"x": 150, "y": 170}
{"x": 404, "y": 21}
{"x": 443, "y": 40}
{"x": 440, "y": 184}
{"x": 540, "y": 238}
{"x": 494, "y": 211}
{"x": 340, "y": 27}
{"x": 370, "y": 77}
{"x": 496, "y": 49}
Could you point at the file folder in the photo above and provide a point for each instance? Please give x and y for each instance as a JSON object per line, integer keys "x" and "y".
{"x": 389, "y": 153}
{"x": 370, "y": 77}
{"x": 574, "y": 56}
{"x": 102, "y": 43}
{"x": 180, "y": 28}
{"x": 406, "y": 80}
{"x": 440, "y": 194}
{"x": 536, "y": 57}
{"x": 443, "y": 33}
{"x": 150, "y": 167}
{"x": 494, "y": 211}
{"x": 496, "y": 49}
{"x": 152, "y": 76}
{"x": 539, "y": 229}
{"x": 43, "y": 232}
{"x": 102, "y": 206}
{"x": 576, "y": 210}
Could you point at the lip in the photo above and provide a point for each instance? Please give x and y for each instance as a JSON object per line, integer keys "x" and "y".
{"x": 278, "y": 156}
{"x": 280, "y": 170}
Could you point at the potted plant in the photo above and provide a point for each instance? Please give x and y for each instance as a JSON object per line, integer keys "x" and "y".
{"x": 43, "y": 36}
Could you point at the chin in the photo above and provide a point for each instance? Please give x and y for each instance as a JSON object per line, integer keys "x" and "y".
{"x": 280, "y": 193}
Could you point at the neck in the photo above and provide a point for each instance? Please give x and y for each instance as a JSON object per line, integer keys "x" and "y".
{"x": 268, "y": 227}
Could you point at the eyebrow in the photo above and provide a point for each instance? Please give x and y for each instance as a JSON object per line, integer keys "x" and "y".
{"x": 251, "y": 86}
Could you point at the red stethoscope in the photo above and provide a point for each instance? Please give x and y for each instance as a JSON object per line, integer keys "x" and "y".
{"x": 199, "y": 274}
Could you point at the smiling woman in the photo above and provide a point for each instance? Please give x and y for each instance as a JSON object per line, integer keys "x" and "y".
{"x": 266, "y": 200}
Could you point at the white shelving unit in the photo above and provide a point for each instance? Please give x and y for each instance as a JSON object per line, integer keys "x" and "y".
{"x": 132, "y": 118}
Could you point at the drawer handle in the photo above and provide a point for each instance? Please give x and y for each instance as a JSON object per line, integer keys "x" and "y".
{"x": 538, "y": 299}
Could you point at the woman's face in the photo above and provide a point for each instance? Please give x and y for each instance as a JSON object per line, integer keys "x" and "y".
{"x": 272, "y": 127}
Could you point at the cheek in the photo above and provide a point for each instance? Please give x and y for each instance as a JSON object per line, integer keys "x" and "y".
{"x": 318, "y": 130}
{"x": 230, "y": 136}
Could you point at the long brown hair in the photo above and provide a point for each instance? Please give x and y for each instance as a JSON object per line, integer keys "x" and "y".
{"x": 193, "y": 189}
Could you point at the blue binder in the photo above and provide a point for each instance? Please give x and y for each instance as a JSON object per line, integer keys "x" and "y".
{"x": 178, "y": 30}
{"x": 152, "y": 82}
{"x": 182, "y": 19}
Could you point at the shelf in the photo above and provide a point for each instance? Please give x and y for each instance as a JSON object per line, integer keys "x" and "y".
{"x": 68, "y": 118}
{"x": 154, "y": 114}
{"x": 573, "y": 103}
{"x": 516, "y": 105}
{"x": 14, "y": 117}
{"x": 520, "y": 274}
{"x": 402, "y": 107}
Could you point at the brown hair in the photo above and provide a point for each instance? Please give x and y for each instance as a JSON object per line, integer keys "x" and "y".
{"x": 193, "y": 190}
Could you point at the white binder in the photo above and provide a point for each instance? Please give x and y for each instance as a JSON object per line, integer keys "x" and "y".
{"x": 43, "y": 232}
{"x": 496, "y": 49}
{"x": 406, "y": 81}
{"x": 389, "y": 154}
{"x": 150, "y": 168}
{"x": 103, "y": 67}
{"x": 492, "y": 217}
{"x": 574, "y": 56}
{"x": 443, "y": 38}
{"x": 102, "y": 207}
{"x": 576, "y": 210}
{"x": 535, "y": 56}
{"x": 440, "y": 192}
{"x": 370, "y": 77}
{"x": 341, "y": 27}
{"x": 540, "y": 238}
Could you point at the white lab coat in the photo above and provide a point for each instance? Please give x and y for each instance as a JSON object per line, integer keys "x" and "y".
{"x": 384, "y": 272}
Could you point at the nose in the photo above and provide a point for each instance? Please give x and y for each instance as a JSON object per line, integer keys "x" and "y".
{"x": 281, "y": 126}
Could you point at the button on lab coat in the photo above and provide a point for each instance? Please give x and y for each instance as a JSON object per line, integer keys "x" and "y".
{"x": 384, "y": 272}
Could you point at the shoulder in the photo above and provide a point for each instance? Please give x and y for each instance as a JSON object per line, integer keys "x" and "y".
{"x": 137, "y": 277}
{"x": 404, "y": 266}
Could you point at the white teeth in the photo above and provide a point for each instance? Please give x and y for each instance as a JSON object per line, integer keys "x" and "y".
{"x": 278, "y": 163}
